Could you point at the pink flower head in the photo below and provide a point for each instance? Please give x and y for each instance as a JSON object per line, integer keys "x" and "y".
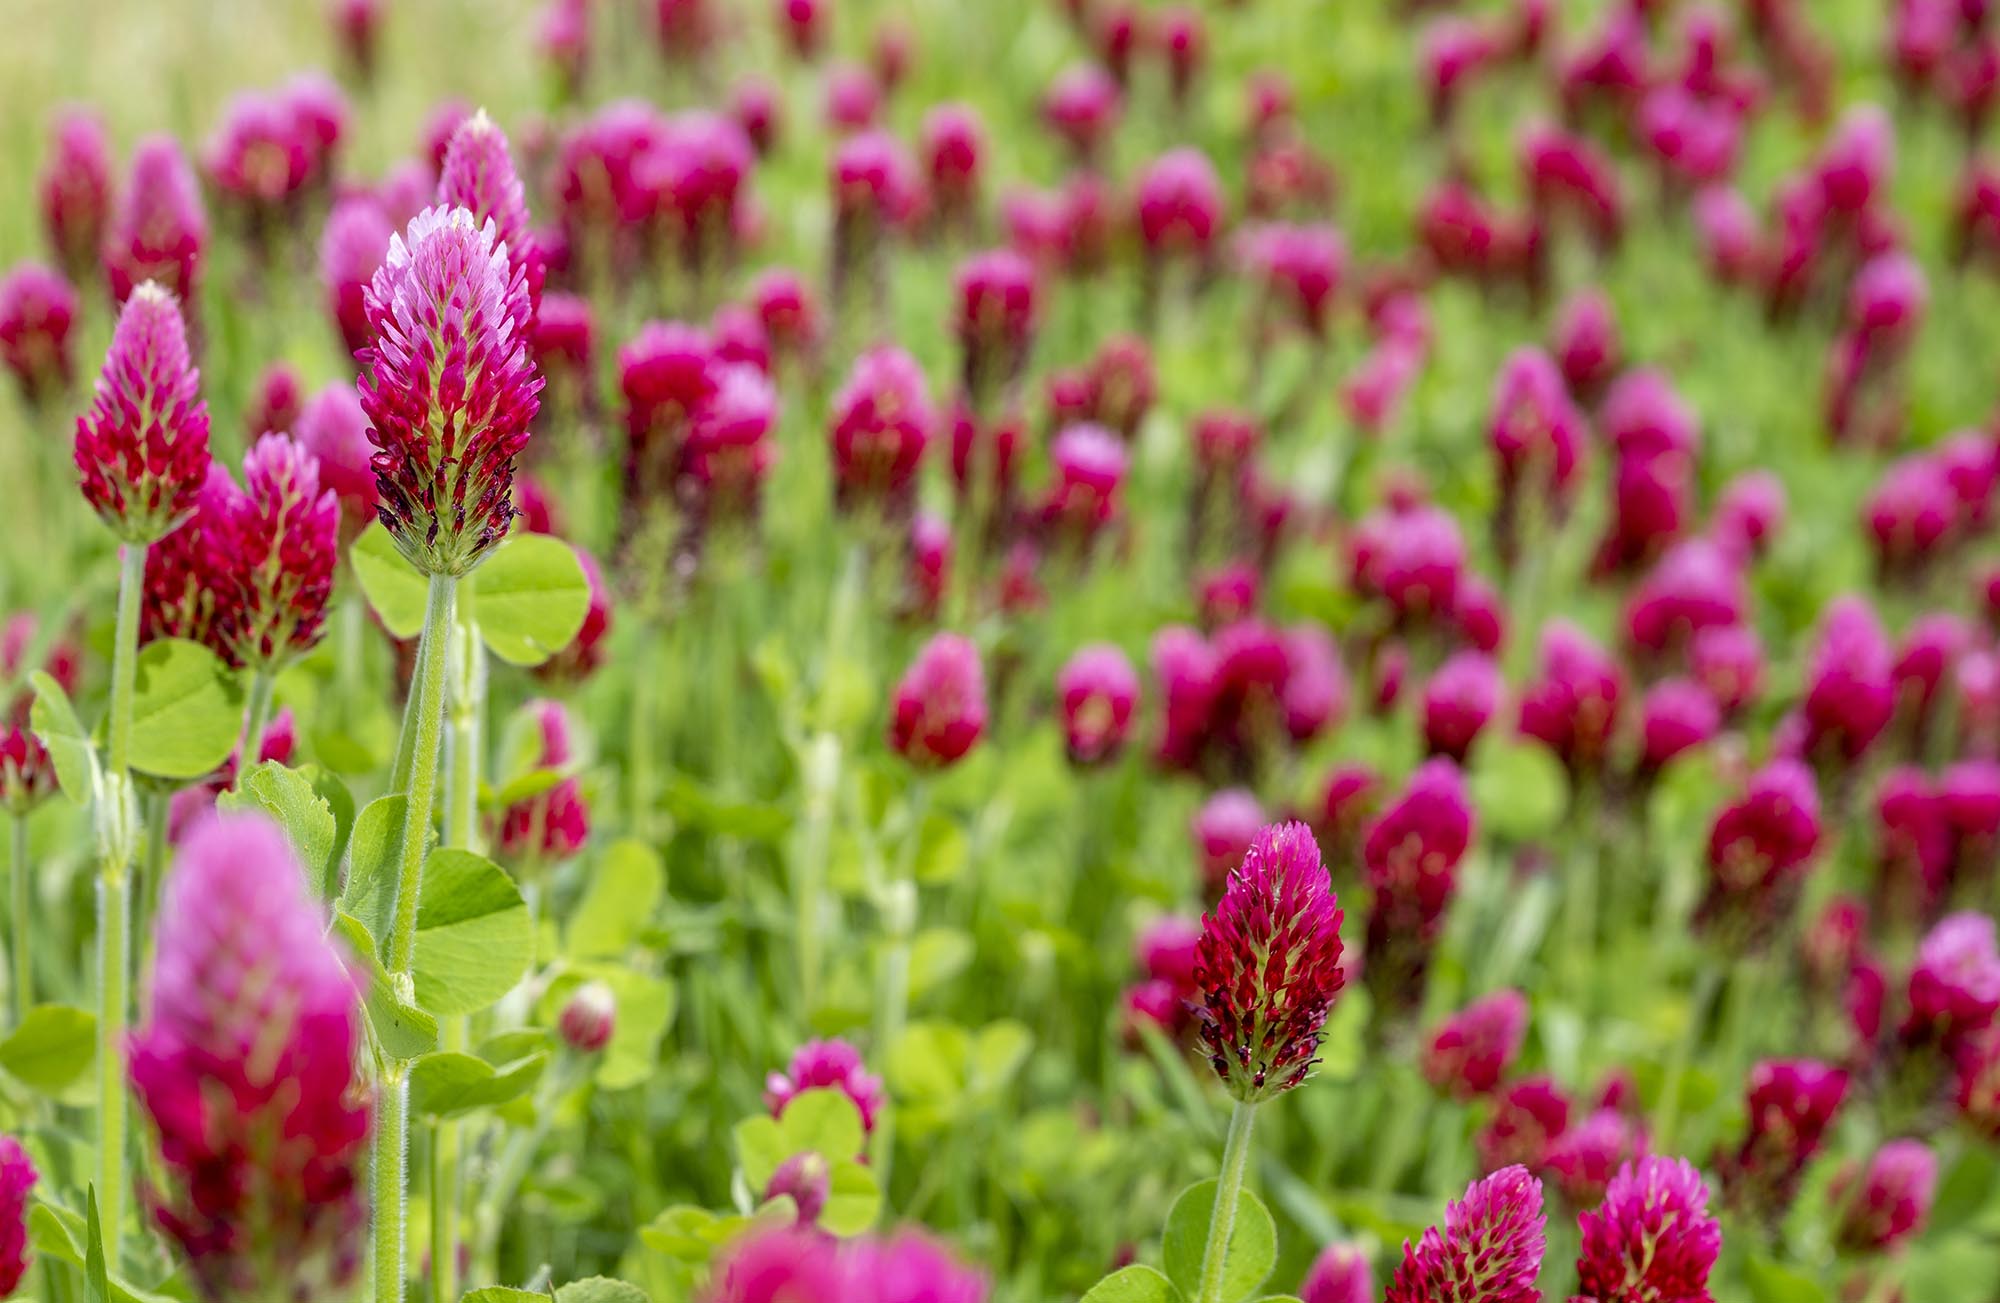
{"x": 588, "y": 1018}
{"x": 358, "y": 25}
{"x": 1186, "y": 672}
{"x": 1749, "y": 514}
{"x": 37, "y": 309}
{"x": 853, "y": 97}
{"x": 1910, "y": 514}
{"x": 17, "y": 1181}
{"x": 788, "y": 311}
{"x": 939, "y": 709}
{"x": 1643, "y": 416}
{"x": 1955, "y": 986}
{"x": 333, "y": 429}
{"x": 1090, "y": 463}
{"x": 1729, "y": 662}
{"x": 1477, "y": 613}
{"x": 1299, "y": 270}
{"x": 758, "y": 108}
{"x": 1791, "y": 1105}
{"x": 1346, "y": 802}
{"x": 142, "y": 448}
{"x": 1887, "y": 1203}
{"x": 1269, "y": 966}
{"x": 1082, "y": 107}
{"x": 779, "y": 1264}
{"x": 1569, "y": 178}
{"x": 730, "y": 446}
{"x": 1224, "y": 828}
{"x": 1583, "y": 1159}
{"x": 1528, "y": 1116}
{"x": 875, "y": 181}
{"x": 351, "y": 249}
{"x": 1572, "y": 707}
{"x": 1122, "y": 384}
{"x": 1156, "y": 1003}
{"x": 1099, "y": 690}
{"x": 1413, "y": 559}
{"x": 1761, "y": 845}
{"x": 1695, "y": 585}
{"x": 1850, "y": 684}
{"x": 449, "y": 389}
{"x": 258, "y": 160}
{"x": 565, "y": 344}
{"x": 158, "y": 232}
{"x": 995, "y": 319}
{"x": 1339, "y": 1274}
{"x": 1854, "y": 166}
{"x": 1471, "y": 1051}
{"x": 1184, "y": 41}
{"x": 1536, "y": 431}
{"x": 1676, "y": 716}
{"x": 193, "y": 579}
{"x": 1976, "y": 1083}
{"x": 880, "y": 423}
{"x": 1179, "y": 204}
{"x": 1586, "y": 343}
{"x": 1462, "y": 696}
{"x": 1490, "y": 1250}
{"x": 284, "y": 537}
{"x": 275, "y": 401}
{"x": 478, "y": 175}
{"x": 953, "y": 144}
{"x": 247, "y": 1065}
{"x": 1652, "y": 1238}
{"x": 1452, "y": 51}
{"x": 908, "y": 1267}
{"x": 75, "y": 190}
{"x": 831, "y": 1063}
{"x": 1169, "y": 950}
{"x": 1887, "y": 301}
{"x": 1411, "y": 858}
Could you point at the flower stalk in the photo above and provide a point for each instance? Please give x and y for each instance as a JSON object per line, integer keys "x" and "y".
{"x": 1228, "y": 1192}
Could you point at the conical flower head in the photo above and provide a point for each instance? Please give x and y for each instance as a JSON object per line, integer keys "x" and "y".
{"x": 192, "y": 578}
{"x": 1652, "y": 1240}
{"x": 334, "y": 429}
{"x": 1887, "y": 1202}
{"x": 938, "y": 712}
{"x": 159, "y": 231}
{"x": 1471, "y": 1052}
{"x": 479, "y": 175}
{"x": 76, "y": 190}
{"x": 351, "y": 247}
{"x": 1791, "y": 1104}
{"x": 1339, "y": 1274}
{"x": 1490, "y": 1250}
{"x": 37, "y": 309}
{"x": 246, "y": 1064}
{"x": 17, "y": 1182}
{"x": 450, "y": 389}
{"x": 285, "y": 536}
{"x": 1268, "y": 966}
{"x": 142, "y": 448}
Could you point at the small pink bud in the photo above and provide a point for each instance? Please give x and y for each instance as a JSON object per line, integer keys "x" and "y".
{"x": 588, "y": 1018}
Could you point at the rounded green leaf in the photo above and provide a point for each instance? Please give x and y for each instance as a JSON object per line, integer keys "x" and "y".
{"x": 52, "y": 1048}
{"x": 624, "y": 889}
{"x": 853, "y": 1200}
{"x": 63, "y": 734}
{"x": 452, "y": 1085}
{"x": 1133, "y": 1284}
{"x": 1249, "y": 1257}
{"x": 474, "y": 938}
{"x": 374, "y": 856}
{"x": 760, "y": 1149}
{"x": 404, "y": 1030}
{"x": 529, "y": 598}
{"x": 288, "y": 797}
{"x": 824, "y": 1121}
{"x": 601, "y": 1289}
{"x": 187, "y": 710}
{"x": 396, "y": 592}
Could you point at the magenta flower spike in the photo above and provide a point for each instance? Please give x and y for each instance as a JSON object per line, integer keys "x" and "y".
{"x": 1458, "y": 702}
{"x": 449, "y": 389}
{"x": 1536, "y": 431}
{"x": 1411, "y": 858}
{"x": 880, "y": 423}
{"x": 909, "y": 1266}
{"x": 1529, "y": 1117}
{"x": 829, "y": 1063}
{"x": 159, "y": 231}
{"x": 1490, "y": 1250}
{"x": 351, "y": 248}
{"x": 284, "y": 534}
{"x": 37, "y": 310}
{"x": 1339, "y": 1274}
{"x": 478, "y": 175}
{"x": 142, "y": 448}
{"x": 1652, "y": 1239}
{"x": 1583, "y": 1159}
{"x": 1572, "y": 708}
{"x": 1179, "y": 205}
{"x": 1954, "y": 990}
{"x": 1791, "y": 1105}
{"x": 938, "y": 712}
{"x": 247, "y": 1065}
{"x": 1696, "y": 585}
{"x": 1748, "y": 514}
{"x": 1676, "y": 716}
{"x": 995, "y": 319}
{"x": 1098, "y": 690}
{"x": 1850, "y": 685}
{"x": 75, "y": 189}
{"x": 333, "y": 429}
{"x": 1472, "y": 1050}
{"x": 1885, "y": 1204}
{"x": 1268, "y": 966}
{"x": 1760, "y": 848}
{"x": 17, "y": 1182}
{"x": 1729, "y": 662}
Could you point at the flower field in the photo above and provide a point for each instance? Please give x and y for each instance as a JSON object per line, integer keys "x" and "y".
{"x": 847, "y": 651}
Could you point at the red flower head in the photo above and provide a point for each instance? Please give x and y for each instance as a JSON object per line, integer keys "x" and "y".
{"x": 875, "y": 181}
{"x": 1586, "y": 344}
{"x": 1955, "y": 986}
{"x": 247, "y": 1064}
{"x": 1729, "y": 662}
{"x": 274, "y": 402}
{"x": 1472, "y": 1050}
{"x": 1572, "y": 709}
{"x": 1528, "y": 1118}
{"x": 1338, "y": 1275}
{"x": 159, "y": 231}
{"x": 1791, "y": 1105}
{"x": 1749, "y": 514}
{"x": 449, "y": 390}
{"x": 1082, "y": 107}
{"x": 908, "y": 1267}
{"x": 1223, "y": 830}
{"x": 1583, "y": 1159}
{"x": 1885, "y": 1205}
{"x": 996, "y": 318}
{"x": 1169, "y": 951}
{"x": 358, "y": 25}
{"x": 1268, "y": 966}
{"x": 729, "y": 446}
{"x": 75, "y": 189}
{"x": 17, "y": 1182}
{"x": 334, "y": 430}
{"x": 1676, "y": 716}
{"x": 1652, "y": 1239}
{"x": 351, "y": 249}
{"x": 832, "y": 1063}
{"x": 1696, "y": 585}
{"x": 1976, "y": 1089}
{"x": 1099, "y": 691}
{"x": 1490, "y": 1250}
{"x": 1536, "y": 431}
{"x": 37, "y": 309}
{"x": 1179, "y": 205}
{"x": 786, "y": 1264}
{"x": 788, "y": 310}
{"x": 1299, "y": 270}
{"x": 192, "y": 577}
{"x": 1090, "y": 463}
{"x": 142, "y": 448}
{"x": 1458, "y": 701}
{"x": 1850, "y": 684}
{"x": 954, "y": 152}
{"x": 258, "y": 160}
{"x": 1411, "y": 857}
{"x": 881, "y": 422}
{"x": 283, "y": 540}
{"x": 478, "y": 175}
{"x": 939, "y": 710}
{"x": 1760, "y": 848}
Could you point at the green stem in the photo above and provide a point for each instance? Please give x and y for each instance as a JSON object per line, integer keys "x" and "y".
{"x": 125, "y": 659}
{"x": 152, "y": 872}
{"x": 444, "y": 1199}
{"x": 809, "y": 872}
{"x": 256, "y": 713}
{"x": 426, "y": 716}
{"x": 24, "y": 964}
{"x": 1228, "y": 1190}
{"x": 639, "y": 744}
{"x": 467, "y": 706}
{"x": 512, "y": 1167}
{"x": 392, "y": 1125}
{"x": 896, "y": 902}
{"x": 1706, "y": 985}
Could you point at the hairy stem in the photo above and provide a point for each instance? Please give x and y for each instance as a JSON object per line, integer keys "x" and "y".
{"x": 24, "y": 964}
{"x": 392, "y": 1125}
{"x": 426, "y": 717}
{"x": 1228, "y": 1190}
{"x": 256, "y": 714}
